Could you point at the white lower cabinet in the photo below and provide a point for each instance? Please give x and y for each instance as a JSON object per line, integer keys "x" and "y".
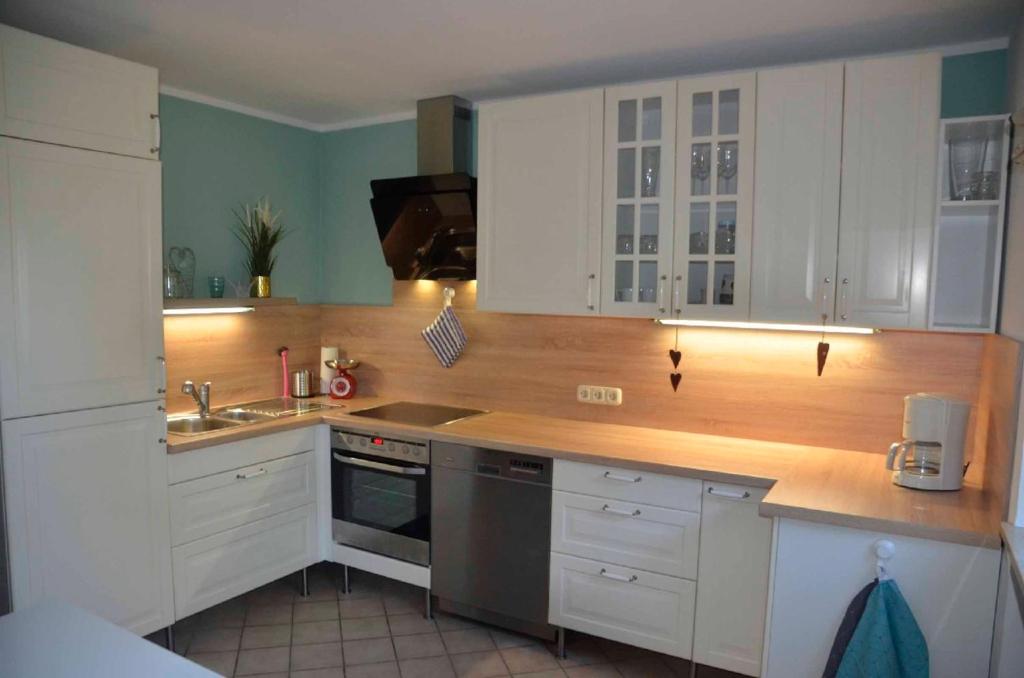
{"x": 732, "y": 579}
{"x": 632, "y": 606}
{"x": 86, "y": 498}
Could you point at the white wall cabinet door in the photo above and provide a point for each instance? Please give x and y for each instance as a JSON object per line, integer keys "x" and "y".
{"x": 714, "y": 197}
{"x": 58, "y": 93}
{"x": 890, "y": 141}
{"x": 732, "y": 579}
{"x": 639, "y": 185}
{"x": 796, "y": 201}
{"x": 87, "y": 513}
{"x": 79, "y": 279}
{"x": 540, "y": 204}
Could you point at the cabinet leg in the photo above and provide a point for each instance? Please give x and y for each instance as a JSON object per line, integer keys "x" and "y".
{"x": 561, "y": 643}
{"x": 344, "y": 570}
{"x": 693, "y": 669}
{"x": 169, "y": 633}
{"x": 304, "y": 590}
{"x": 429, "y": 614}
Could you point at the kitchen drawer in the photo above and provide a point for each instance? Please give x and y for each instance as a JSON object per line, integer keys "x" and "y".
{"x": 633, "y": 535}
{"x": 631, "y": 606}
{"x": 206, "y": 461}
{"x": 211, "y": 570}
{"x": 212, "y": 504}
{"x": 628, "y": 485}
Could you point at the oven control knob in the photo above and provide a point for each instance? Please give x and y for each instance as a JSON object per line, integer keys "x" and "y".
{"x": 362, "y": 441}
{"x": 405, "y": 449}
{"x": 391, "y": 447}
{"x": 348, "y": 439}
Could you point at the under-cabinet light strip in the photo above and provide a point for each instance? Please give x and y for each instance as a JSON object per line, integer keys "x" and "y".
{"x": 208, "y": 311}
{"x": 739, "y": 325}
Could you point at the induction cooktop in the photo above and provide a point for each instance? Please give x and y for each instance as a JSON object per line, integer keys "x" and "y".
{"x": 417, "y": 414}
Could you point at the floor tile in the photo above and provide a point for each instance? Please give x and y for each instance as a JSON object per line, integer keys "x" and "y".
{"x": 228, "y": 614}
{"x": 467, "y": 640}
{"x": 321, "y": 611}
{"x": 449, "y": 622}
{"x": 405, "y": 603}
{"x": 263, "y": 660}
{"x": 479, "y": 665}
{"x": 364, "y": 627}
{"x": 310, "y": 633}
{"x": 553, "y": 673}
{"x": 529, "y": 658}
{"x": 321, "y": 655}
{"x": 370, "y": 651}
{"x": 361, "y": 607}
{"x": 215, "y": 640}
{"x": 277, "y": 635}
{"x": 218, "y": 662}
{"x": 276, "y": 593}
{"x": 582, "y": 651}
{"x": 503, "y": 639}
{"x": 593, "y": 671}
{"x": 262, "y": 615}
{"x": 329, "y": 672}
{"x": 424, "y": 645}
{"x": 649, "y": 667}
{"x": 383, "y": 670}
{"x": 410, "y": 624}
{"x": 431, "y": 667}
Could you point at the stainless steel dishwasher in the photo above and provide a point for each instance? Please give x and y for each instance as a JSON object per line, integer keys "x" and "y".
{"x": 491, "y": 542}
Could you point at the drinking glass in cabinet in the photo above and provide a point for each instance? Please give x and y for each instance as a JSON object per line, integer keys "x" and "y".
{"x": 650, "y": 161}
{"x": 624, "y": 229}
{"x": 648, "y": 282}
{"x": 651, "y": 119}
{"x": 966, "y": 157}
{"x": 627, "y": 120}
{"x": 624, "y": 281}
{"x": 700, "y": 169}
{"x": 725, "y": 272}
{"x": 702, "y": 120}
{"x": 649, "y": 229}
{"x": 729, "y": 111}
{"x": 697, "y": 282}
{"x": 627, "y": 169}
{"x": 728, "y": 165}
{"x": 725, "y": 228}
{"x": 987, "y": 186}
{"x": 699, "y": 219}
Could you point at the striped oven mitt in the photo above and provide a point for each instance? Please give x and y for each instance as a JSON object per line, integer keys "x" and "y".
{"x": 445, "y": 337}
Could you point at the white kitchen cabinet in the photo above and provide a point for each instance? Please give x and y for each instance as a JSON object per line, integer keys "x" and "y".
{"x": 887, "y": 198}
{"x": 714, "y": 197}
{"x": 796, "y": 201}
{"x": 539, "y": 225}
{"x": 61, "y": 94}
{"x": 628, "y": 485}
{"x": 639, "y": 188}
{"x": 631, "y": 606}
{"x": 80, "y": 261}
{"x": 86, "y": 500}
{"x": 732, "y": 579}
{"x": 818, "y": 569}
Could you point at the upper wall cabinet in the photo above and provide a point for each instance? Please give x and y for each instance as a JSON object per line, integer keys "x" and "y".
{"x": 796, "y": 204}
{"x": 62, "y": 94}
{"x": 714, "y": 197}
{"x": 540, "y": 203}
{"x": 890, "y": 141}
{"x": 639, "y": 169}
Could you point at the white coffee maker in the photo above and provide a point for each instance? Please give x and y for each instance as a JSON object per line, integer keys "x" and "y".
{"x": 931, "y": 455}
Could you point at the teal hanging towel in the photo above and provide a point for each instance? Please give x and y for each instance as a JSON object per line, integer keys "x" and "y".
{"x": 887, "y": 642}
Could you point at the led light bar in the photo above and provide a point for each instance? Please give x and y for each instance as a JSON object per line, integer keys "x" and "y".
{"x": 208, "y": 311}
{"x": 784, "y": 327}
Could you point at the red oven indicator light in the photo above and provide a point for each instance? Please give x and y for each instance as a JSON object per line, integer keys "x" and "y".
{"x": 378, "y": 441}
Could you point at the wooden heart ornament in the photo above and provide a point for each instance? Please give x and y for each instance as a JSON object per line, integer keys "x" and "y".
{"x": 676, "y": 356}
{"x": 675, "y": 378}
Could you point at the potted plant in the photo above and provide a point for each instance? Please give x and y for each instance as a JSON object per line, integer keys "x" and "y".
{"x": 258, "y": 230}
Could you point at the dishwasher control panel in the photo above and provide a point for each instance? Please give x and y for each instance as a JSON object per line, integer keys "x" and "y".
{"x": 482, "y": 461}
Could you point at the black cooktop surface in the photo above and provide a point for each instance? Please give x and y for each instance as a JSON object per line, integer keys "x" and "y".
{"x": 417, "y": 414}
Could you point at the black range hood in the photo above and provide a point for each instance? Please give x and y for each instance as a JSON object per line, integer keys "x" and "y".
{"x": 427, "y": 223}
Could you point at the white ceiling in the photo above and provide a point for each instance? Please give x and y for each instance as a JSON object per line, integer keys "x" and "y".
{"x": 324, "y": 62}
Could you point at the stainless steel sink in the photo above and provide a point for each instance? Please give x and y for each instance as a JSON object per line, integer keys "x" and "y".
{"x": 193, "y": 424}
{"x": 239, "y": 414}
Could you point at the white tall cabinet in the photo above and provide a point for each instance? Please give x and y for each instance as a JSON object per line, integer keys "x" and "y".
{"x": 540, "y": 203}
{"x": 81, "y": 333}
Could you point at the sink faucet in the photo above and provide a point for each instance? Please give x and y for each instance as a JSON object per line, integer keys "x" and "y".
{"x": 202, "y": 396}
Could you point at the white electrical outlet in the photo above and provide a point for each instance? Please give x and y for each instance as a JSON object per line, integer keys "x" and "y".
{"x": 599, "y": 395}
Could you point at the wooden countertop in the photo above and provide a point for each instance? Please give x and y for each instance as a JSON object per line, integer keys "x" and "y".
{"x": 817, "y": 484}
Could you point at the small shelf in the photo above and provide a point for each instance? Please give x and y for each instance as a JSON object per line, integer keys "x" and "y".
{"x": 967, "y": 204}
{"x": 227, "y": 302}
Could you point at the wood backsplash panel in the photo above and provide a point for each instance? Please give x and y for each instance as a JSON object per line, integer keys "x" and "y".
{"x": 996, "y": 412}
{"x": 748, "y": 384}
{"x": 238, "y": 353}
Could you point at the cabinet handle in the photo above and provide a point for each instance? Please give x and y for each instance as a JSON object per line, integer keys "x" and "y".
{"x": 155, "y": 148}
{"x": 590, "y": 291}
{"x": 246, "y": 476}
{"x": 726, "y": 494}
{"x": 844, "y": 298}
{"x": 677, "y": 294}
{"x": 622, "y": 479}
{"x": 618, "y": 577}
{"x": 161, "y": 391}
{"x": 161, "y": 408}
{"x": 619, "y": 512}
{"x": 162, "y": 441}
{"x": 823, "y": 299}
{"x": 661, "y": 293}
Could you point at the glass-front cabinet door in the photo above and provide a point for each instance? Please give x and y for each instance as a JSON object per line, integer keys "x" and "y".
{"x": 639, "y": 185}
{"x": 714, "y": 191}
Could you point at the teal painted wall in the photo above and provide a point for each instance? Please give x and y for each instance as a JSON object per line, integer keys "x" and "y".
{"x": 354, "y": 268}
{"x": 213, "y": 160}
{"x": 974, "y": 84}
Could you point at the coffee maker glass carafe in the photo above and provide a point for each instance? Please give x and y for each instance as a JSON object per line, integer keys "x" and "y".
{"x": 921, "y": 458}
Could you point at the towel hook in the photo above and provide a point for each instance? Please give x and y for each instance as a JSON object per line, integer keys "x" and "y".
{"x": 884, "y": 550}
{"x": 449, "y": 294}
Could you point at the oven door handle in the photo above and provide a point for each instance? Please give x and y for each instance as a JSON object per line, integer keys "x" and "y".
{"x": 376, "y": 465}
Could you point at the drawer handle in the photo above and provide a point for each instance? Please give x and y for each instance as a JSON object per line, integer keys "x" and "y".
{"x": 728, "y": 495}
{"x": 618, "y": 577}
{"x": 246, "y": 476}
{"x": 622, "y": 479}
{"x": 619, "y": 512}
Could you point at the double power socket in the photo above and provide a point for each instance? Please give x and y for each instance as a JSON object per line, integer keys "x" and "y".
{"x": 599, "y": 395}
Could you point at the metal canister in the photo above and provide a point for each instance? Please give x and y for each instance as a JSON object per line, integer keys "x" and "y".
{"x": 304, "y": 384}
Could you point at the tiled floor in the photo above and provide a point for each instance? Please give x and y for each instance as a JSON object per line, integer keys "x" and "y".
{"x": 378, "y": 631}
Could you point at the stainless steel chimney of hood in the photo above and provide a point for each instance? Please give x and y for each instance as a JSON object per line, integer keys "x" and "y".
{"x": 442, "y": 135}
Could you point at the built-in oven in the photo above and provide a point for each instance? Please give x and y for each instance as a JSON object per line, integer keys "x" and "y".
{"x": 380, "y": 494}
